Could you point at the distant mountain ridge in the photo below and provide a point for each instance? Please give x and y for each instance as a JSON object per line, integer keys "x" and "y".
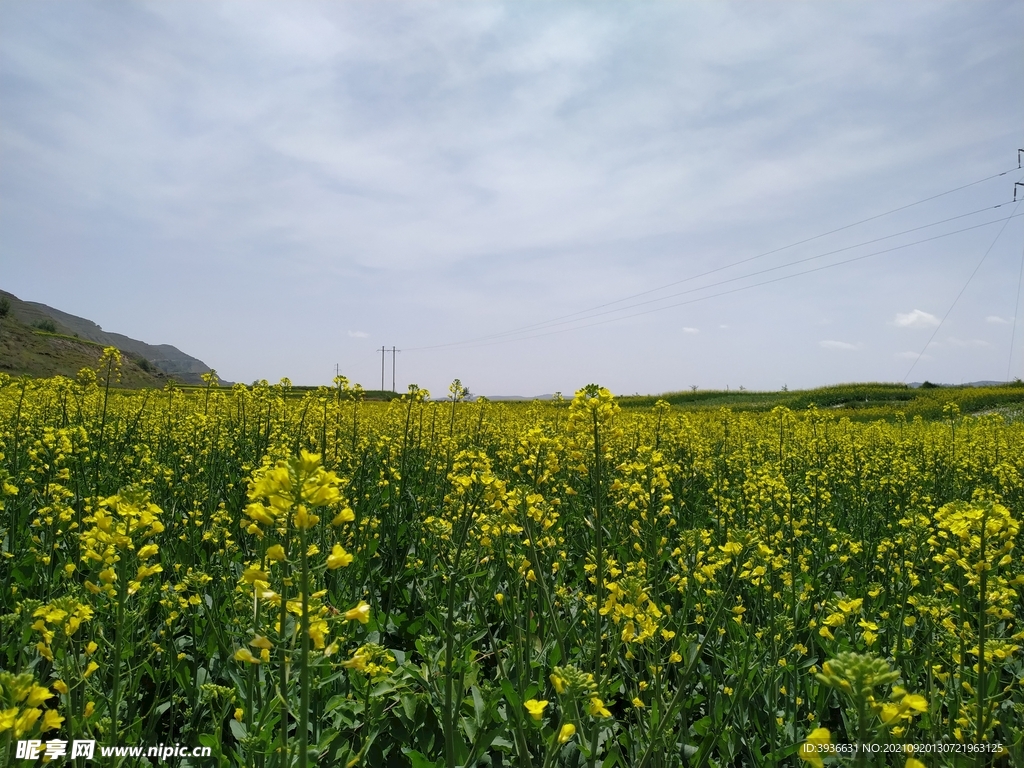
{"x": 165, "y": 357}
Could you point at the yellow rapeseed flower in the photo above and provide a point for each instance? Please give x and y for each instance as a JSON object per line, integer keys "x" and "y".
{"x": 345, "y": 516}
{"x": 916, "y": 702}
{"x": 360, "y": 613}
{"x": 8, "y": 718}
{"x": 597, "y": 708}
{"x": 810, "y": 750}
{"x": 303, "y": 519}
{"x": 357, "y": 662}
{"x": 338, "y": 558}
{"x": 51, "y": 721}
{"x": 251, "y": 575}
{"x": 26, "y": 721}
{"x": 535, "y": 708}
{"x": 37, "y": 695}
{"x": 244, "y": 654}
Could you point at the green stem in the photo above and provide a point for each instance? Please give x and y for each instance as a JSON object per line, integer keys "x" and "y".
{"x": 980, "y": 693}
{"x": 449, "y": 642}
{"x": 283, "y": 663}
{"x": 861, "y": 755}
{"x": 304, "y": 656}
{"x": 598, "y": 551}
{"x": 115, "y": 694}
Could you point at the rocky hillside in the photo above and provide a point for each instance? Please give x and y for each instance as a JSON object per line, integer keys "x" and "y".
{"x": 42, "y": 341}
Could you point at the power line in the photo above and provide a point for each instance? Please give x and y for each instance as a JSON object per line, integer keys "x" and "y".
{"x": 593, "y": 313}
{"x": 556, "y": 320}
{"x": 1016, "y": 314}
{"x": 999, "y": 234}
{"x": 745, "y": 287}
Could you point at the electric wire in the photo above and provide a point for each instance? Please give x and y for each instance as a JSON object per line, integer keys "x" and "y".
{"x": 741, "y": 288}
{"x": 1016, "y": 314}
{"x": 556, "y": 320}
{"x": 593, "y": 314}
{"x": 999, "y": 234}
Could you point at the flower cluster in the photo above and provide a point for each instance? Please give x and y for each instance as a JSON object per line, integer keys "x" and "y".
{"x": 20, "y": 700}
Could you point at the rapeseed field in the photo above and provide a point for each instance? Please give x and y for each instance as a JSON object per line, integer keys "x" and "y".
{"x": 315, "y": 579}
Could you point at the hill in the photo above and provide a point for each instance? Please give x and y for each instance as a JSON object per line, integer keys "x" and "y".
{"x": 38, "y": 340}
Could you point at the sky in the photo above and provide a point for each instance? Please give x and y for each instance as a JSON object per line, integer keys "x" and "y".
{"x": 527, "y": 196}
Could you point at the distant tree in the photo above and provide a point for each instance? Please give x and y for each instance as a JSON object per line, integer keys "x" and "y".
{"x": 46, "y": 325}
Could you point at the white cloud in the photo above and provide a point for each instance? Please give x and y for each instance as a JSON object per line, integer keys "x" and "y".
{"x": 723, "y": 326}
{"x": 358, "y": 334}
{"x": 831, "y": 344}
{"x": 912, "y": 356}
{"x": 687, "y": 329}
{"x": 916, "y": 319}
{"x": 996, "y": 320}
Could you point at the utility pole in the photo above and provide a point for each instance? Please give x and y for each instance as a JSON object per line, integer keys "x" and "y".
{"x": 382, "y": 351}
{"x": 393, "y": 351}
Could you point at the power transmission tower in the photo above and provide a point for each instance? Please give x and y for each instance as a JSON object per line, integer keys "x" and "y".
{"x": 382, "y": 350}
{"x": 393, "y": 351}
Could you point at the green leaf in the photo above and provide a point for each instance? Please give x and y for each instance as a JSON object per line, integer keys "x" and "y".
{"x": 510, "y": 694}
{"x": 419, "y": 760}
{"x": 469, "y": 727}
{"x": 479, "y": 708}
{"x": 409, "y": 706}
{"x": 701, "y": 726}
{"x": 333, "y": 703}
